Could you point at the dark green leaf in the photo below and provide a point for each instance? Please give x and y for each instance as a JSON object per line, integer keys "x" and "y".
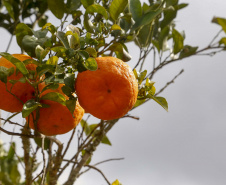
{"x": 92, "y": 52}
{"x": 9, "y": 8}
{"x": 73, "y": 5}
{"x": 163, "y": 37}
{"x": 63, "y": 38}
{"x": 88, "y": 24}
{"x": 40, "y": 33}
{"x": 5, "y": 72}
{"x": 57, "y": 8}
{"x": 135, "y": 9}
{"x": 85, "y": 127}
{"x": 147, "y": 18}
{"x": 178, "y": 41}
{"x": 19, "y": 65}
{"x": 54, "y": 96}
{"x": 188, "y": 51}
{"x": 71, "y": 104}
{"x": 22, "y": 30}
{"x": 171, "y": 2}
{"x": 11, "y": 151}
{"x": 29, "y": 107}
{"x": 91, "y": 64}
{"x": 69, "y": 80}
{"x": 87, "y": 3}
{"x": 169, "y": 15}
{"x": 117, "y": 7}
{"x": 38, "y": 141}
{"x": 52, "y": 86}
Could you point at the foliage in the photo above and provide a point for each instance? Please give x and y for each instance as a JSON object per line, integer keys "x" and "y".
{"x": 87, "y": 29}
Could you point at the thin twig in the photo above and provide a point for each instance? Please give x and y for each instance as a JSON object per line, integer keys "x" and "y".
{"x": 44, "y": 162}
{"x": 108, "y": 160}
{"x": 69, "y": 142}
{"x": 129, "y": 116}
{"x": 93, "y": 167}
{"x": 170, "y": 82}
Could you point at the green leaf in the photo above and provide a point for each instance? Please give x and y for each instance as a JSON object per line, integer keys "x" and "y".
{"x": 19, "y": 65}
{"x": 147, "y": 18}
{"x": 171, "y": 2}
{"x": 96, "y": 8}
{"x": 88, "y": 24}
{"x": 141, "y": 76}
{"x": 5, "y": 72}
{"x": 73, "y": 39}
{"x": 178, "y": 41}
{"x": 169, "y": 15}
{"x": 221, "y": 22}
{"x": 91, "y": 64}
{"x": 85, "y": 126}
{"x": 135, "y": 9}
{"x": 52, "y": 60}
{"x": 106, "y": 141}
{"x": 29, "y": 107}
{"x": 117, "y": 7}
{"x": 69, "y": 80}
{"x": 71, "y": 104}
{"x": 38, "y": 141}
{"x": 87, "y": 3}
{"x": 120, "y": 51}
{"x": 57, "y": 8}
{"x": 11, "y": 151}
{"x": 40, "y": 33}
{"x": 163, "y": 38}
{"x": 52, "y": 86}
{"x": 144, "y": 37}
{"x": 188, "y": 51}
{"x": 9, "y": 8}
{"x": 139, "y": 102}
{"x": 73, "y": 5}
{"x": 20, "y": 31}
{"x": 160, "y": 100}
{"x": 63, "y": 38}
{"x": 54, "y": 96}
{"x": 223, "y": 41}
{"x": 92, "y": 52}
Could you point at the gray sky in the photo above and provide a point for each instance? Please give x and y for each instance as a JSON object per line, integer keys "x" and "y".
{"x": 187, "y": 145}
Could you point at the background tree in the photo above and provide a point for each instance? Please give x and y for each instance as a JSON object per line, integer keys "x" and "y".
{"x": 149, "y": 26}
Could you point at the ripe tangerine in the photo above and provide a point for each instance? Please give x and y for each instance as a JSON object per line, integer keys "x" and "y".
{"x": 110, "y": 91}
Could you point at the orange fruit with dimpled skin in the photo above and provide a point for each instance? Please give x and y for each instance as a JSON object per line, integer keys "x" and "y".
{"x": 56, "y": 119}
{"x": 22, "y": 91}
{"x": 110, "y": 91}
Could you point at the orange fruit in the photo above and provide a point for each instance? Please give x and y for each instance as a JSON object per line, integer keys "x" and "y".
{"x": 56, "y": 119}
{"x": 110, "y": 91}
{"x": 22, "y": 91}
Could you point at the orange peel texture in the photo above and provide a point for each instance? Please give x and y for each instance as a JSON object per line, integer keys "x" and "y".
{"x": 110, "y": 91}
{"x": 21, "y": 92}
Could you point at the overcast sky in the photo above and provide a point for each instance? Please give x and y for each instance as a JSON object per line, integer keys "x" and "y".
{"x": 187, "y": 145}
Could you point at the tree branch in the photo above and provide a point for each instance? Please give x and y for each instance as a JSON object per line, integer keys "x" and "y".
{"x": 88, "y": 152}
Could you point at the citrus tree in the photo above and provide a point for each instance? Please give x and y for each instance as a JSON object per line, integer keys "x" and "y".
{"x": 81, "y": 64}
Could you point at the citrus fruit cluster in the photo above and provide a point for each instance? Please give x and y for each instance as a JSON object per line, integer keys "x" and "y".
{"x": 107, "y": 93}
{"x": 53, "y": 120}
